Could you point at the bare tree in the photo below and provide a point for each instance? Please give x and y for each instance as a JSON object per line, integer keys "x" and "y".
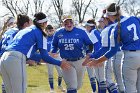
{"x": 120, "y": 2}
{"x": 81, "y": 8}
{"x": 58, "y": 6}
{"x": 15, "y": 7}
{"x": 23, "y": 6}
{"x": 132, "y": 7}
{"x": 94, "y": 9}
{"x": 38, "y": 5}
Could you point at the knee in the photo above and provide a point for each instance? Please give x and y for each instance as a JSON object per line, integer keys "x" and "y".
{"x": 50, "y": 76}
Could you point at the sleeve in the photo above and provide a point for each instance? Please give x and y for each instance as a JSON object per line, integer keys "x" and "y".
{"x": 36, "y": 57}
{"x": 47, "y": 58}
{"x": 40, "y": 39}
{"x": 98, "y": 44}
{"x": 112, "y": 52}
{"x": 114, "y": 44}
{"x": 54, "y": 48}
{"x": 93, "y": 37}
{"x": 105, "y": 37}
{"x": 99, "y": 53}
{"x": 87, "y": 39}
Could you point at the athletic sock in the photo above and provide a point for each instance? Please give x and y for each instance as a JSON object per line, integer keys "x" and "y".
{"x": 51, "y": 83}
{"x": 102, "y": 87}
{"x": 93, "y": 84}
{"x": 72, "y": 91}
{"x": 59, "y": 81}
{"x": 112, "y": 88}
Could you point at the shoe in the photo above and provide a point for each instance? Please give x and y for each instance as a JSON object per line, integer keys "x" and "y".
{"x": 52, "y": 91}
{"x": 61, "y": 88}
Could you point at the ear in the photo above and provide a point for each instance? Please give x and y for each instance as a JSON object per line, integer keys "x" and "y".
{"x": 26, "y": 24}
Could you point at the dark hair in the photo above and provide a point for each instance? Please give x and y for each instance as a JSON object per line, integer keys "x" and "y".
{"x": 21, "y": 20}
{"x": 49, "y": 27}
{"x": 104, "y": 16}
{"x": 91, "y": 21}
{"x": 39, "y": 16}
{"x": 113, "y": 7}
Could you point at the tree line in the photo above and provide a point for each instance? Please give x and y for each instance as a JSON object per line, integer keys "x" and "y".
{"x": 78, "y": 8}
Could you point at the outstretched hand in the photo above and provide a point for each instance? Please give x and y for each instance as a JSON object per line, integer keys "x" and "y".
{"x": 95, "y": 63}
{"x": 65, "y": 65}
{"x": 87, "y": 60}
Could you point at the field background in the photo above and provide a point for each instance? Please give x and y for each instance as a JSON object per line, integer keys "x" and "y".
{"x": 38, "y": 81}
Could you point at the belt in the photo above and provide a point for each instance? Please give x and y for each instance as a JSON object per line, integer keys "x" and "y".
{"x": 74, "y": 59}
{"x": 132, "y": 50}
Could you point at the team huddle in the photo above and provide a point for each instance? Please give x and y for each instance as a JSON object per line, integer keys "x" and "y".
{"x": 111, "y": 48}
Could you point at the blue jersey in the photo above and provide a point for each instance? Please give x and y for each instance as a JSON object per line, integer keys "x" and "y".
{"x": 129, "y": 34}
{"x": 28, "y": 41}
{"x": 49, "y": 43}
{"x": 70, "y": 43}
{"x": 105, "y": 41}
{"x": 95, "y": 37}
{"x": 37, "y": 57}
{"x": 7, "y": 38}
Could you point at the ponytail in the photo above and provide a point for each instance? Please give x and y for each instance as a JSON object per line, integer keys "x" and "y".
{"x": 39, "y": 16}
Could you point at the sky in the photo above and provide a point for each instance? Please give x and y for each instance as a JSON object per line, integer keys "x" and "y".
{"x": 67, "y": 3}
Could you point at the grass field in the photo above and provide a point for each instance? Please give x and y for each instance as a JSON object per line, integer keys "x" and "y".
{"x": 38, "y": 81}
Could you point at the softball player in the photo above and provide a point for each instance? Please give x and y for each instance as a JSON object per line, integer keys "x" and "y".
{"x": 13, "y": 60}
{"x": 8, "y": 23}
{"x": 127, "y": 32}
{"x": 8, "y": 36}
{"x": 105, "y": 34}
{"x": 100, "y": 71}
{"x": 50, "y": 31}
{"x": 71, "y": 42}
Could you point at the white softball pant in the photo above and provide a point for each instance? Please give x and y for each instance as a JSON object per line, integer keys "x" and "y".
{"x": 91, "y": 72}
{"x": 13, "y": 69}
{"x": 131, "y": 71}
{"x": 50, "y": 69}
{"x": 100, "y": 73}
{"x": 74, "y": 76}
{"x": 117, "y": 67}
{"x": 109, "y": 72}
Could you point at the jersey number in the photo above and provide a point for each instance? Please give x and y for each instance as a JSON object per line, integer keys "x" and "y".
{"x": 7, "y": 40}
{"x": 133, "y": 27}
{"x": 69, "y": 46}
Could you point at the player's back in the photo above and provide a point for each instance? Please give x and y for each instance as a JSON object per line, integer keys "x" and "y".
{"x": 130, "y": 33}
{"x": 7, "y": 38}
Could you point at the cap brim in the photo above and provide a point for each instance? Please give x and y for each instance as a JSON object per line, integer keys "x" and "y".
{"x": 67, "y": 19}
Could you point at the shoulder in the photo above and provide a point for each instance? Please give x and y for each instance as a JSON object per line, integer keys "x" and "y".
{"x": 79, "y": 30}
{"x": 59, "y": 30}
{"x": 80, "y": 27}
{"x": 11, "y": 30}
{"x": 125, "y": 19}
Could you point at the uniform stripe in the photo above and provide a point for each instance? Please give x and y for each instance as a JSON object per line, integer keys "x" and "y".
{"x": 44, "y": 43}
{"x": 104, "y": 36}
{"x": 30, "y": 50}
{"x": 92, "y": 37}
{"x": 112, "y": 40}
{"x": 22, "y": 74}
